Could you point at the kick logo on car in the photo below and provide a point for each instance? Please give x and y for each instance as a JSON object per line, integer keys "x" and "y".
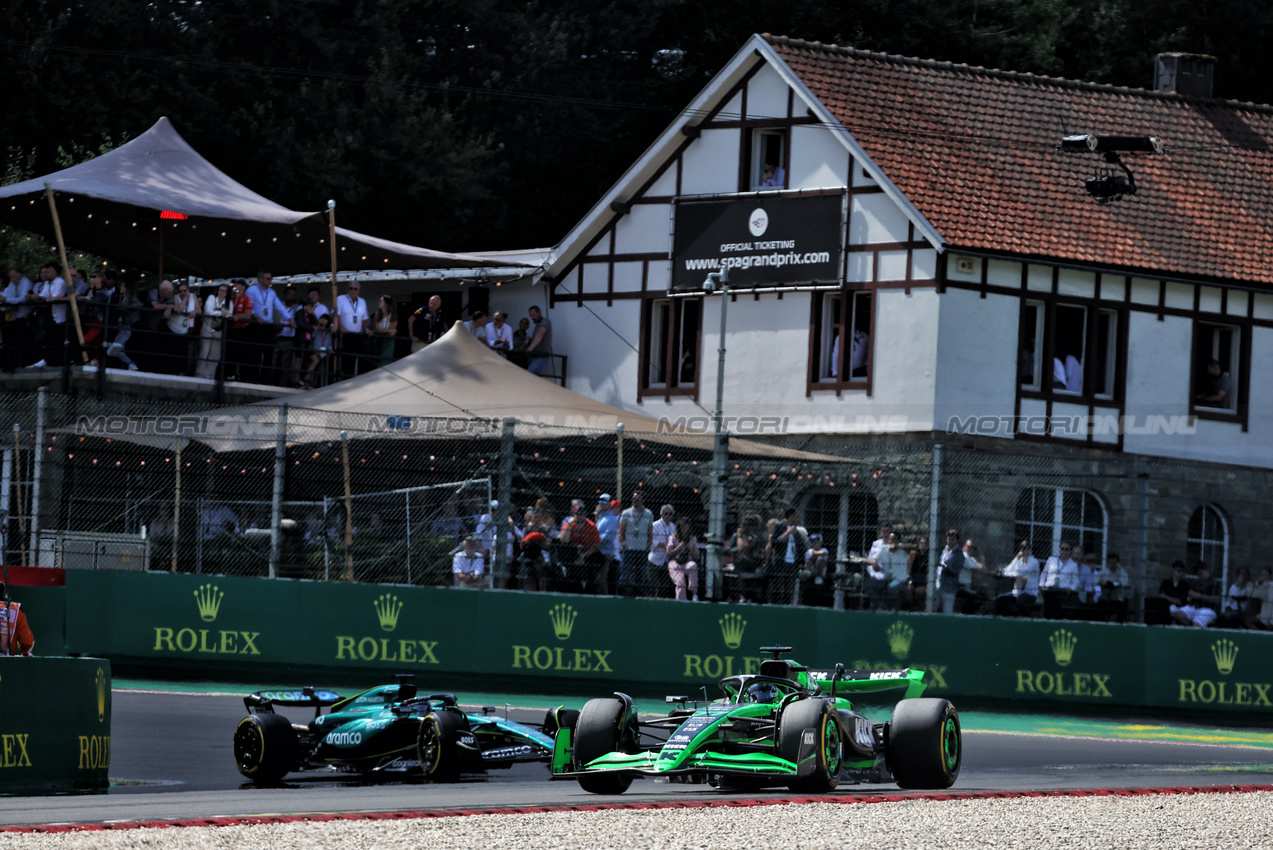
{"x": 562, "y": 618}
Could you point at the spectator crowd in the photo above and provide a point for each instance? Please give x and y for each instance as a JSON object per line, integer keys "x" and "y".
{"x": 252, "y": 333}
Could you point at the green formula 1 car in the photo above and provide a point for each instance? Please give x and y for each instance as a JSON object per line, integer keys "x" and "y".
{"x": 784, "y": 726}
{"x": 389, "y": 729}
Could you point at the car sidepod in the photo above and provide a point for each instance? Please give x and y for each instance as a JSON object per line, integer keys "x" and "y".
{"x": 502, "y": 743}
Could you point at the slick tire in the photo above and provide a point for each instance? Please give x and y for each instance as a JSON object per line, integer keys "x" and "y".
{"x": 438, "y": 745}
{"x": 601, "y": 730}
{"x": 265, "y": 747}
{"x": 925, "y": 745}
{"x": 819, "y": 718}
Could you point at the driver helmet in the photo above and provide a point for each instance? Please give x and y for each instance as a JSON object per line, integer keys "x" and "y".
{"x": 762, "y": 692}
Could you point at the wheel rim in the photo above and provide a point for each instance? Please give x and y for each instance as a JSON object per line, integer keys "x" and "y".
{"x": 950, "y": 744}
{"x": 430, "y": 748}
{"x": 831, "y": 745}
{"x": 249, "y": 745}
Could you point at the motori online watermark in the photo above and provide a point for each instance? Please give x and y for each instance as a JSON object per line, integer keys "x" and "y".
{"x": 1076, "y": 425}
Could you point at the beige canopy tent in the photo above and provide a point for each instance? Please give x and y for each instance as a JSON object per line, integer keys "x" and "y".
{"x": 155, "y": 202}
{"x": 456, "y": 387}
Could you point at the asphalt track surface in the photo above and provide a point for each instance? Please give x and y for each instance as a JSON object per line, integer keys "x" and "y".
{"x": 171, "y": 760}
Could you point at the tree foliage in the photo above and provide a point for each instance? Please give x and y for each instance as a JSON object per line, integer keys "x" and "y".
{"x": 485, "y": 124}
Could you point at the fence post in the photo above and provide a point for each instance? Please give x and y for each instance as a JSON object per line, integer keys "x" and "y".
{"x": 198, "y": 538}
{"x": 407, "y": 512}
{"x": 1142, "y": 540}
{"x": 276, "y": 505}
{"x": 37, "y": 469}
{"x": 934, "y": 525}
{"x": 176, "y": 509}
{"x": 327, "y": 548}
{"x": 349, "y": 517}
{"x": 507, "y": 448}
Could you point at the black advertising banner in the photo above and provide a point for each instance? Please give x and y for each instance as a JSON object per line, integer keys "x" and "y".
{"x": 764, "y": 241}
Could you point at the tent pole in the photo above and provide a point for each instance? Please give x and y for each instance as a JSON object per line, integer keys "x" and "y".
{"x": 61, "y": 250}
{"x": 331, "y": 239}
{"x": 276, "y": 503}
{"x": 618, "y": 479}
{"x": 349, "y": 523}
{"x": 161, "y": 253}
{"x": 176, "y": 511}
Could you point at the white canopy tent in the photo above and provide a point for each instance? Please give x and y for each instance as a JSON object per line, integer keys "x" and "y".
{"x": 155, "y": 202}
{"x": 456, "y": 387}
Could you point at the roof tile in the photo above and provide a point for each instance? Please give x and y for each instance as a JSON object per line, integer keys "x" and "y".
{"x": 977, "y": 152}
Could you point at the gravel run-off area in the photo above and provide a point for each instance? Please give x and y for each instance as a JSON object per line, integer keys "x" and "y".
{"x": 1177, "y": 821}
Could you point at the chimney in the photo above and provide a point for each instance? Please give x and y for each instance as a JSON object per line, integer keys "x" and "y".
{"x": 1184, "y": 73}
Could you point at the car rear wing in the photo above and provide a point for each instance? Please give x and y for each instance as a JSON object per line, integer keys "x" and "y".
{"x": 841, "y": 681}
{"x": 264, "y": 701}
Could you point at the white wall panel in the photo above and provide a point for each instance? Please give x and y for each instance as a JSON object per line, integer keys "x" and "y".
{"x": 666, "y": 184}
{"x": 1237, "y": 303}
{"x": 710, "y": 165}
{"x": 1076, "y": 283}
{"x": 818, "y": 159}
{"x": 646, "y": 228}
{"x": 892, "y": 265}
{"x": 861, "y": 267}
{"x": 875, "y": 218}
{"x": 767, "y": 95}
{"x": 1144, "y": 291}
{"x": 976, "y": 369}
{"x": 1179, "y": 296}
{"x": 627, "y": 277}
{"x": 1004, "y": 273}
{"x": 1208, "y": 300}
{"x": 924, "y": 264}
{"x": 596, "y": 277}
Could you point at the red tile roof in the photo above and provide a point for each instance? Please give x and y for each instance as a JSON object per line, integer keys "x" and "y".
{"x": 976, "y": 151}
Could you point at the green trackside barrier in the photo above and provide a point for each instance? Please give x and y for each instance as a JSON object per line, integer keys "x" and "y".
{"x": 45, "y": 608}
{"x": 55, "y": 726}
{"x": 216, "y": 624}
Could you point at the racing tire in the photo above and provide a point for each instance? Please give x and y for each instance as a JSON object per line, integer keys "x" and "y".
{"x": 559, "y": 718}
{"x": 925, "y": 745}
{"x": 819, "y": 717}
{"x": 600, "y": 730}
{"x": 265, "y": 747}
{"x": 438, "y": 745}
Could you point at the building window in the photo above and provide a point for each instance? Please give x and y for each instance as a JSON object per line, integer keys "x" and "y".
{"x": 768, "y": 159}
{"x": 834, "y": 364}
{"x": 851, "y": 516}
{"x": 1069, "y": 349}
{"x": 1048, "y": 515}
{"x": 1217, "y": 368}
{"x": 670, "y": 344}
{"x": 1208, "y": 540}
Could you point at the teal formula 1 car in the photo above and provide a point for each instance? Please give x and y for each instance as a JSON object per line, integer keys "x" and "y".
{"x": 385, "y": 730}
{"x": 784, "y": 726}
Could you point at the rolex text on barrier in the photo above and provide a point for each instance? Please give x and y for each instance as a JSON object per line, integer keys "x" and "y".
{"x": 241, "y": 627}
{"x": 59, "y": 743}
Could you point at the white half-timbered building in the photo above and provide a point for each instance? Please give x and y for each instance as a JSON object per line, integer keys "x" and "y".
{"x": 914, "y": 258}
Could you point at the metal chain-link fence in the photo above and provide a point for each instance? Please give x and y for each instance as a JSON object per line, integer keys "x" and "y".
{"x": 263, "y": 491}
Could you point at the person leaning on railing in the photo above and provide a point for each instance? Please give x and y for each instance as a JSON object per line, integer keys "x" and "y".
{"x": 15, "y": 634}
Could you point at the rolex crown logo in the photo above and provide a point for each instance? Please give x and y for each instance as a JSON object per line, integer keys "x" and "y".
{"x": 900, "y": 636}
{"x": 101, "y": 694}
{"x": 208, "y": 597}
{"x": 1063, "y": 643}
{"x": 731, "y": 629}
{"x": 387, "y": 610}
{"x": 1226, "y": 653}
{"x": 563, "y": 618}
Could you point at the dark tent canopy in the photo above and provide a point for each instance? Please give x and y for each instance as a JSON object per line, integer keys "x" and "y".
{"x": 156, "y": 196}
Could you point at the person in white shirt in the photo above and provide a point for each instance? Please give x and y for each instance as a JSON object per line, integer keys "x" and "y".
{"x": 882, "y": 543}
{"x": 662, "y": 530}
{"x": 351, "y": 325}
{"x": 469, "y": 566}
{"x": 499, "y": 334}
{"x": 887, "y": 574}
{"x": 50, "y": 298}
{"x": 1024, "y": 572}
{"x": 1059, "y": 583}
